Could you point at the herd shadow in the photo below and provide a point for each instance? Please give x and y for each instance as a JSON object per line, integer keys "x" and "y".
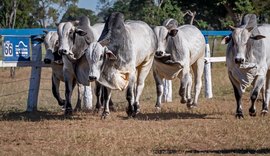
{"x": 222, "y": 151}
{"x": 35, "y": 116}
{"x": 170, "y": 116}
{"x": 46, "y": 115}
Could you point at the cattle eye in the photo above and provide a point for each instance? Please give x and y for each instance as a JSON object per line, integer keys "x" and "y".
{"x": 101, "y": 58}
{"x": 56, "y": 43}
{"x": 71, "y": 33}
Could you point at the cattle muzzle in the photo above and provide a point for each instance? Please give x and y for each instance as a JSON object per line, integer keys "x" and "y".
{"x": 92, "y": 78}
{"x": 63, "y": 52}
{"x": 47, "y": 61}
{"x": 239, "y": 60}
{"x": 159, "y": 53}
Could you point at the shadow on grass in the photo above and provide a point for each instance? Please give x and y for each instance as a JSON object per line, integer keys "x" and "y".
{"x": 223, "y": 151}
{"x": 170, "y": 116}
{"x": 35, "y": 116}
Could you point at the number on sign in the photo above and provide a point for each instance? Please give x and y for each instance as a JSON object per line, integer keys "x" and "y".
{"x": 8, "y": 49}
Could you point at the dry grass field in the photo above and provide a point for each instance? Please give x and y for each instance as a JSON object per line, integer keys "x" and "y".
{"x": 210, "y": 129}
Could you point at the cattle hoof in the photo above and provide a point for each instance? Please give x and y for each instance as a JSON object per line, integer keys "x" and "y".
{"x": 130, "y": 111}
{"x": 63, "y": 108}
{"x": 134, "y": 114}
{"x": 68, "y": 111}
{"x": 183, "y": 101}
{"x": 239, "y": 116}
{"x": 190, "y": 101}
{"x": 77, "y": 109}
{"x": 191, "y": 106}
{"x": 252, "y": 114}
{"x": 105, "y": 115}
{"x": 136, "y": 107}
{"x": 264, "y": 112}
{"x": 62, "y": 103}
{"x": 158, "y": 110}
{"x": 112, "y": 109}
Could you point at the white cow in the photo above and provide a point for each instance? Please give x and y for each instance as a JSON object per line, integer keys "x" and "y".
{"x": 52, "y": 57}
{"x": 122, "y": 59}
{"x": 178, "y": 49}
{"x": 248, "y": 62}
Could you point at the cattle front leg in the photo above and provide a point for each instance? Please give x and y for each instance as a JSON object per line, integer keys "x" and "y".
{"x": 130, "y": 96}
{"x": 107, "y": 97}
{"x": 185, "y": 81}
{"x": 87, "y": 98}
{"x": 69, "y": 85}
{"x": 259, "y": 82}
{"x": 159, "y": 89}
{"x": 266, "y": 95}
{"x": 55, "y": 90}
{"x": 98, "y": 92}
{"x": 78, "y": 106}
{"x": 238, "y": 98}
{"x": 198, "y": 68}
{"x": 142, "y": 72}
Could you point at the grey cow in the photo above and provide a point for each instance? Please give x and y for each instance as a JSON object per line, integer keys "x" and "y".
{"x": 52, "y": 57}
{"x": 74, "y": 38}
{"x": 178, "y": 49}
{"x": 122, "y": 58}
{"x": 248, "y": 62}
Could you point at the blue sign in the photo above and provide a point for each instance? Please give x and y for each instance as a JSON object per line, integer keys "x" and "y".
{"x": 16, "y": 48}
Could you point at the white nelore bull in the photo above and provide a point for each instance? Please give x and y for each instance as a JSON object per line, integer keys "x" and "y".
{"x": 248, "y": 62}
{"x": 52, "y": 57}
{"x": 122, "y": 59}
{"x": 178, "y": 49}
{"x": 74, "y": 38}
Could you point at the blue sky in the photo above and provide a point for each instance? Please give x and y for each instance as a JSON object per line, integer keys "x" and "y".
{"x": 88, "y": 4}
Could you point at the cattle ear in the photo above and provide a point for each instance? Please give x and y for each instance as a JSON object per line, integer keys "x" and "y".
{"x": 173, "y": 32}
{"x": 109, "y": 54}
{"x": 46, "y": 31}
{"x": 56, "y": 24}
{"x": 226, "y": 40}
{"x": 39, "y": 38}
{"x": 80, "y": 32}
{"x": 257, "y": 37}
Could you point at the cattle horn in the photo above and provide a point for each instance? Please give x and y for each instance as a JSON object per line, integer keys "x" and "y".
{"x": 75, "y": 23}
{"x": 232, "y": 27}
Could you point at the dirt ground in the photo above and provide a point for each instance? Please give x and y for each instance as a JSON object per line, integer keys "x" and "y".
{"x": 210, "y": 129}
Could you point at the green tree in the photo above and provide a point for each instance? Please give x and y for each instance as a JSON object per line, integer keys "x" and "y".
{"x": 48, "y": 11}
{"x": 156, "y": 14}
{"x": 73, "y": 13}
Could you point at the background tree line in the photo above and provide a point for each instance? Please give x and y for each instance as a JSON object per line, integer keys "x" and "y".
{"x": 206, "y": 14}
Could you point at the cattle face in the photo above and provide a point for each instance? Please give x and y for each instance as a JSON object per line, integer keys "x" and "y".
{"x": 51, "y": 43}
{"x": 96, "y": 56}
{"x": 67, "y": 32}
{"x": 241, "y": 42}
{"x": 163, "y": 38}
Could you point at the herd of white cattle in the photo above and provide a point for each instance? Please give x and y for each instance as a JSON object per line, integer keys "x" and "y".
{"x": 119, "y": 54}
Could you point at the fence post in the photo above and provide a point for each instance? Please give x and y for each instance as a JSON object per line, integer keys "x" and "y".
{"x": 207, "y": 71}
{"x": 35, "y": 77}
{"x": 167, "y": 91}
